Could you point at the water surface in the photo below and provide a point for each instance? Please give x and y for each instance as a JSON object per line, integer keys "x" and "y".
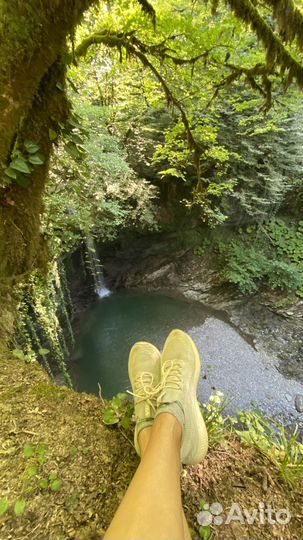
{"x": 115, "y": 323}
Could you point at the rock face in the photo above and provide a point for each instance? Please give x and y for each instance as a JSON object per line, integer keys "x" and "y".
{"x": 299, "y": 403}
{"x": 269, "y": 324}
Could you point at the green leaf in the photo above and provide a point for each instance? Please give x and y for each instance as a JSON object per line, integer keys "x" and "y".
{"x": 41, "y": 451}
{"x": 73, "y": 150}
{"x": 17, "y": 353}
{"x": 43, "y": 484}
{"x": 31, "y": 471}
{"x": 31, "y": 147}
{"x": 123, "y": 396}
{"x": 172, "y": 172}
{"x": 126, "y": 422}
{"x": 116, "y": 402}
{"x": 11, "y": 173}
{"x": 43, "y": 352}
{"x": 19, "y": 507}
{"x": 53, "y": 476}
{"x": 205, "y": 532}
{"x": 76, "y": 138}
{"x": 56, "y": 485}
{"x": 52, "y": 134}
{"x": 19, "y": 164}
{"x": 28, "y": 450}
{"x": 3, "y": 506}
{"x": 109, "y": 417}
{"x": 36, "y": 159}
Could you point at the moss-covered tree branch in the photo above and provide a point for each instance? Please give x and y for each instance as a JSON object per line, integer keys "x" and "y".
{"x": 276, "y": 52}
{"x": 118, "y": 41}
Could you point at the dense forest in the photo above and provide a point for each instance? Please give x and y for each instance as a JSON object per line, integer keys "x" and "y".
{"x": 135, "y": 123}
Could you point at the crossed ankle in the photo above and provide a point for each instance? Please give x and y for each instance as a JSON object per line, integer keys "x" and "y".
{"x": 175, "y": 408}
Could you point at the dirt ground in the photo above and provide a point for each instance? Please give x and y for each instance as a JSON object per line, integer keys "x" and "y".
{"x": 70, "y": 471}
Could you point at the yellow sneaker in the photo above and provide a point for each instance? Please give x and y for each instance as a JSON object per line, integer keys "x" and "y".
{"x": 180, "y": 372}
{"x": 144, "y": 370}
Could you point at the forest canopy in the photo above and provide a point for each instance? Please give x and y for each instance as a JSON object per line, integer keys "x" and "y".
{"x": 143, "y": 105}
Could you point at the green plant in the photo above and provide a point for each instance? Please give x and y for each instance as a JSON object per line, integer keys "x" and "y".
{"x": 271, "y": 254}
{"x": 19, "y": 507}
{"x": 215, "y": 421}
{"x": 118, "y": 411}
{"x": 272, "y": 440}
{"x": 205, "y": 531}
{"x": 54, "y": 482}
{"x": 23, "y": 163}
{"x": 4, "y": 505}
{"x": 203, "y": 248}
{"x": 27, "y": 357}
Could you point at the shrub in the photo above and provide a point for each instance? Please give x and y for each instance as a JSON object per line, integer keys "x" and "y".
{"x": 270, "y": 254}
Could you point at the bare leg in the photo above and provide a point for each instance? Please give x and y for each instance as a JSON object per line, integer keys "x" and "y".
{"x": 144, "y": 440}
{"x": 152, "y": 508}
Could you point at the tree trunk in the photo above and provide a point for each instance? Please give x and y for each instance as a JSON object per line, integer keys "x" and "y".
{"x": 33, "y": 42}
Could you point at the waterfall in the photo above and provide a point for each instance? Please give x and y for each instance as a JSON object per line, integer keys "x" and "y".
{"x": 95, "y": 268}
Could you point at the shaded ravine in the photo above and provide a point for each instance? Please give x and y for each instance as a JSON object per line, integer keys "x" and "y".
{"x": 229, "y": 362}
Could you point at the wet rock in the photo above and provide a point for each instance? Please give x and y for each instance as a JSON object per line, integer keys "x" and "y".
{"x": 299, "y": 402}
{"x": 160, "y": 273}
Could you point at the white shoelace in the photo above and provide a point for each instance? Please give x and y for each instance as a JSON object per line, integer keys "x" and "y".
{"x": 144, "y": 389}
{"x": 171, "y": 376}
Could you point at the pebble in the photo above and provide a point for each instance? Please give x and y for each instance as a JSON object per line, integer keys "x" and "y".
{"x": 299, "y": 402}
{"x": 243, "y": 374}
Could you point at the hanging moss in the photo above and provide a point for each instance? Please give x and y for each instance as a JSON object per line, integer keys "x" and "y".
{"x": 289, "y": 19}
{"x": 290, "y": 22}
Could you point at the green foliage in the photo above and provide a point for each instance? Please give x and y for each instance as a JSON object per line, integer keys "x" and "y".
{"x": 215, "y": 421}
{"x": 99, "y": 195}
{"x": 55, "y": 483}
{"x": 118, "y": 411}
{"x": 23, "y": 163}
{"x": 43, "y": 484}
{"x": 271, "y": 254}
{"x": 272, "y": 440}
{"x": 34, "y": 475}
{"x": 267, "y": 164}
{"x": 223, "y": 142}
{"x": 203, "y": 247}
{"x": 28, "y": 356}
{"x": 28, "y": 450}
{"x": 205, "y": 532}
{"x": 19, "y": 507}
{"x": 40, "y": 304}
{"x": 4, "y": 506}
